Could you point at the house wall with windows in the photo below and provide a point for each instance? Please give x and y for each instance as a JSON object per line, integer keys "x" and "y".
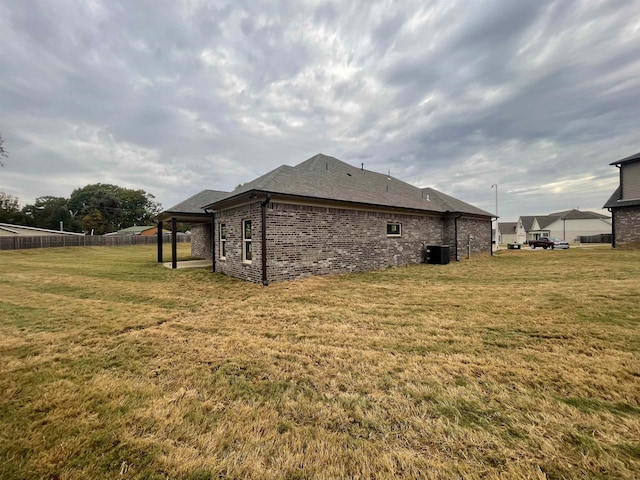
{"x": 236, "y": 261}
{"x": 305, "y": 240}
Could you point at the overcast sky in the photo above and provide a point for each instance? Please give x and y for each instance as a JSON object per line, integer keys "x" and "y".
{"x": 177, "y": 96}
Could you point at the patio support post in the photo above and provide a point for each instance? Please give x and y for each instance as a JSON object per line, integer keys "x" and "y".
{"x": 174, "y": 243}
{"x": 160, "y": 253}
{"x": 213, "y": 242}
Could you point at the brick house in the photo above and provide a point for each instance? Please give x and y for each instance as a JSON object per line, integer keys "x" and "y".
{"x": 325, "y": 216}
{"x": 624, "y": 204}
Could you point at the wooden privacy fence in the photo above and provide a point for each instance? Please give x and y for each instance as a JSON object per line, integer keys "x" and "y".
{"x": 601, "y": 238}
{"x": 22, "y": 242}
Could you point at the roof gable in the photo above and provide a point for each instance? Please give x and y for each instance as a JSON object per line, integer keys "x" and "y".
{"x": 527, "y": 222}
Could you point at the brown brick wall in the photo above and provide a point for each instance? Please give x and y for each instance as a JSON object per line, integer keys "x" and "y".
{"x": 306, "y": 240}
{"x": 448, "y": 235}
{"x": 627, "y": 225}
{"x": 480, "y": 230}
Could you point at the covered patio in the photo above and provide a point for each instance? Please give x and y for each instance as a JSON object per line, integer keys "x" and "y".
{"x": 192, "y": 212}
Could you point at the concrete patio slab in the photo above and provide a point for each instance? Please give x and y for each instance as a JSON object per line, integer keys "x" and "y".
{"x": 190, "y": 264}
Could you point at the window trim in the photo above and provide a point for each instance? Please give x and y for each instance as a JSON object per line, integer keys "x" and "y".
{"x": 223, "y": 240}
{"x": 247, "y": 242}
{"x": 399, "y": 234}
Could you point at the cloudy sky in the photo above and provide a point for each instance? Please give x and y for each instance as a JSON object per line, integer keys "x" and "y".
{"x": 177, "y": 96}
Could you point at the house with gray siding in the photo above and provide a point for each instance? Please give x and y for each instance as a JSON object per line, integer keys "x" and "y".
{"x": 569, "y": 225}
{"x": 624, "y": 204}
{"x": 325, "y": 216}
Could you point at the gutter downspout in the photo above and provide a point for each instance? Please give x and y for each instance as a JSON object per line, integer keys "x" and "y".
{"x": 213, "y": 240}
{"x": 174, "y": 243}
{"x": 613, "y": 227}
{"x": 263, "y": 208}
{"x": 455, "y": 235}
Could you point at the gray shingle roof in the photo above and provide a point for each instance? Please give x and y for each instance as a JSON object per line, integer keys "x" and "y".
{"x": 197, "y": 202}
{"x": 507, "y": 227}
{"x": 325, "y": 177}
{"x": 615, "y": 202}
{"x": 545, "y": 220}
{"x": 527, "y": 222}
{"x": 576, "y": 214}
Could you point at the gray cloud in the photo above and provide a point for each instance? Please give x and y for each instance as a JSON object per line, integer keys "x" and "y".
{"x": 174, "y": 97}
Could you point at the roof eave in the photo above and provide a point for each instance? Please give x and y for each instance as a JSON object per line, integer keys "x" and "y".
{"x": 243, "y": 197}
{"x": 631, "y": 158}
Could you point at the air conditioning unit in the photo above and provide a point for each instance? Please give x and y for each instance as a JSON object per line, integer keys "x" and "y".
{"x": 436, "y": 254}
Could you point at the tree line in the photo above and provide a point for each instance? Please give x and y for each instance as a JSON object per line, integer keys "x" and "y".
{"x": 98, "y": 208}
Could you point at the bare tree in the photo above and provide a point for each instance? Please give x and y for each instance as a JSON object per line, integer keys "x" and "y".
{"x": 3, "y": 152}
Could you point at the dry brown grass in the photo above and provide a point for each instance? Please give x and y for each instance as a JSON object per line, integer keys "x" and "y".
{"x": 524, "y": 365}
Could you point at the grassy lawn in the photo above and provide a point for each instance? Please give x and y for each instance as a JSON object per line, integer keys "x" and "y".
{"x": 524, "y": 365}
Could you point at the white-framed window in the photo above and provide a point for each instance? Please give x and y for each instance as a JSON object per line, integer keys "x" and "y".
{"x": 247, "y": 254}
{"x": 223, "y": 241}
{"x": 394, "y": 229}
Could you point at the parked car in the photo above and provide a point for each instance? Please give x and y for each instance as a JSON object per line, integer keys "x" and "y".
{"x": 549, "y": 242}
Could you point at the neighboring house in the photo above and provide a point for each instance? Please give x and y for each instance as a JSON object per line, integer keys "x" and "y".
{"x": 325, "y": 216}
{"x": 9, "y": 230}
{"x": 568, "y": 225}
{"x": 144, "y": 230}
{"x": 507, "y": 232}
{"x": 624, "y": 204}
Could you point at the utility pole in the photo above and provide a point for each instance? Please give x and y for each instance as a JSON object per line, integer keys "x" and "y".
{"x": 496, "y": 234}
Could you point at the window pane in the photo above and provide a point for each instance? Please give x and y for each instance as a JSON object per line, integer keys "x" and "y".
{"x": 247, "y": 250}
{"x": 224, "y": 249}
{"x": 247, "y": 229}
{"x": 223, "y": 231}
{"x": 393, "y": 229}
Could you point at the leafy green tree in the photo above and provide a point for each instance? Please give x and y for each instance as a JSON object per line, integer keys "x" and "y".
{"x": 10, "y": 211}
{"x": 118, "y": 207}
{"x": 94, "y": 223}
{"x": 48, "y": 212}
